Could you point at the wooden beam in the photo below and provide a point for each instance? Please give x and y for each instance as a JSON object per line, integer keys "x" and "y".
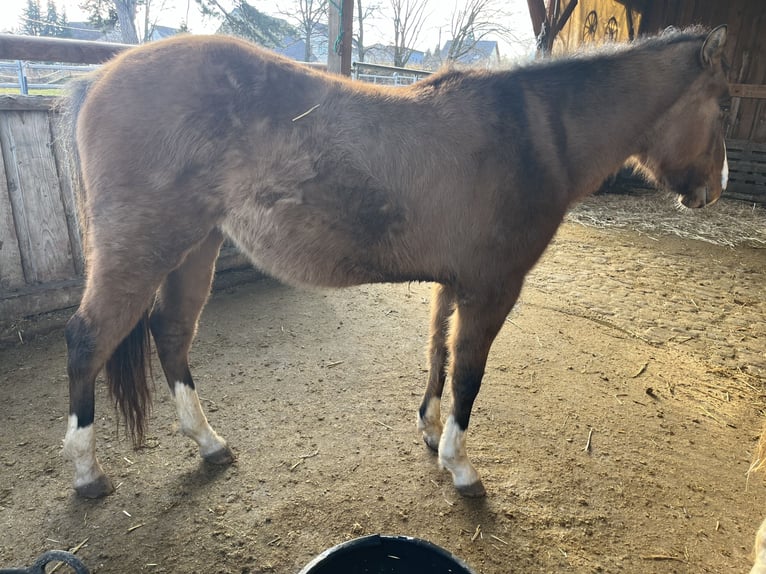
{"x": 38, "y": 49}
{"x": 756, "y": 91}
{"x": 340, "y": 32}
{"x": 537, "y": 15}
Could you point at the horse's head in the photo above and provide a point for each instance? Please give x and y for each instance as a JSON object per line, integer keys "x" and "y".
{"x": 687, "y": 153}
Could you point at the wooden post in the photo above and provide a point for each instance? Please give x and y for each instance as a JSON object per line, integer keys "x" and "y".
{"x": 32, "y": 48}
{"x": 340, "y": 30}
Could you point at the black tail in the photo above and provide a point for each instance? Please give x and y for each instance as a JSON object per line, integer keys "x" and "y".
{"x": 126, "y": 374}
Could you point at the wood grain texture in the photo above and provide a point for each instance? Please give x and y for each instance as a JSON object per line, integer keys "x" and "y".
{"x": 68, "y": 193}
{"x": 11, "y": 271}
{"x": 33, "y": 183}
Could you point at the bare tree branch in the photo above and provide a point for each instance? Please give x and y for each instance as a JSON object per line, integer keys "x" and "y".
{"x": 362, "y": 14}
{"x": 478, "y": 20}
{"x": 409, "y": 17}
{"x": 309, "y": 13}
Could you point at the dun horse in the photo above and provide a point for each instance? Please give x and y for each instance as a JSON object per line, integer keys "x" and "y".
{"x": 460, "y": 180}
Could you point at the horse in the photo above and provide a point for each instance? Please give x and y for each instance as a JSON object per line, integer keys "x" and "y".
{"x": 461, "y": 180}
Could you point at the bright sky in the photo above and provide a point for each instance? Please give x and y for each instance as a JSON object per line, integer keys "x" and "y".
{"x": 174, "y": 11}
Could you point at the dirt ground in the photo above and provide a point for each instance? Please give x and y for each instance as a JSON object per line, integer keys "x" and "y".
{"x": 652, "y": 344}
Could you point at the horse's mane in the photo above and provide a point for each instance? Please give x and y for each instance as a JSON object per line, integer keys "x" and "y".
{"x": 453, "y": 72}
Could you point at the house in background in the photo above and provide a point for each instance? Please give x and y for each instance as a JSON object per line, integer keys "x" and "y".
{"x": 484, "y": 53}
{"x": 383, "y": 54}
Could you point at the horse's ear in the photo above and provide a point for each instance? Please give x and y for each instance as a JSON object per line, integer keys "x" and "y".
{"x": 713, "y": 46}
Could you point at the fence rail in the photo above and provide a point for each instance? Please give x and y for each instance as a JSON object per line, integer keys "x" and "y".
{"x": 25, "y": 76}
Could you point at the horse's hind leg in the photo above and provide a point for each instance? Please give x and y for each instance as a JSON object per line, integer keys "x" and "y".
{"x": 478, "y": 320}
{"x": 110, "y": 313}
{"x": 429, "y": 414}
{"x": 174, "y": 323}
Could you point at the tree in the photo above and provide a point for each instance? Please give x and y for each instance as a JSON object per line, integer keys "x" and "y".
{"x": 475, "y": 22}
{"x": 126, "y": 17}
{"x": 362, "y": 14}
{"x": 101, "y": 13}
{"x": 409, "y": 17}
{"x": 245, "y": 21}
{"x": 50, "y": 24}
{"x": 306, "y": 16}
{"x": 32, "y": 19}
{"x": 104, "y": 14}
{"x": 51, "y": 21}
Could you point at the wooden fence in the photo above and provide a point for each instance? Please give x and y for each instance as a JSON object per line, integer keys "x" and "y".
{"x": 41, "y": 257}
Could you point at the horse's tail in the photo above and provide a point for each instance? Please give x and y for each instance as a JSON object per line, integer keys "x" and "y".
{"x": 126, "y": 374}
{"x": 127, "y": 368}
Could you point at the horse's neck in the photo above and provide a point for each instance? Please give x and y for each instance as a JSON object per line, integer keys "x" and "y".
{"x": 606, "y": 115}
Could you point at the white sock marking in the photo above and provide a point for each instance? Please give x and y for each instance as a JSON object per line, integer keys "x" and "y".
{"x": 725, "y": 169}
{"x": 453, "y": 457}
{"x": 80, "y": 448}
{"x": 760, "y": 551}
{"x": 194, "y": 422}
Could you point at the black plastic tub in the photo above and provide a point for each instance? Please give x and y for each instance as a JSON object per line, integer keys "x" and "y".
{"x": 386, "y": 555}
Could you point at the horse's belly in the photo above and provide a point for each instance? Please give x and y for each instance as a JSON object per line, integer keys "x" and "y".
{"x": 302, "y": 253}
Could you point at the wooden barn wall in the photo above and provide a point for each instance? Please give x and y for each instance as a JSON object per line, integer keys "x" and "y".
{"x": 745, "y": 53}
{"x": 745, "y": 50}
{"x": 41, "y": 257}
{"x": 595, "y": 22}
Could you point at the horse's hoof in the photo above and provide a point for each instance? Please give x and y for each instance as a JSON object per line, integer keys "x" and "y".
{"x": 221, "y": 456}
{"x": 475, "y": 490}
{"x": 100, "y": 487}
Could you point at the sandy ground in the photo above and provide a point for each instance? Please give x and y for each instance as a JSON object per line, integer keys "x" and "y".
{"x": 650, "y": 343}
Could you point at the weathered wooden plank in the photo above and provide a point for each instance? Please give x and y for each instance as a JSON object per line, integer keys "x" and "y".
{"x": 39, "y": 299}
{"x": 38, "y": 49}
{"x": 11, "y": 271}
{"x": 748, "y": 194}
{"x": 742, "y": 166}
{"x": 748, "y": 91}
{"x": 41, "y": 226}
{"x": 18, "y": 102}
{"x": 68, "y": 197}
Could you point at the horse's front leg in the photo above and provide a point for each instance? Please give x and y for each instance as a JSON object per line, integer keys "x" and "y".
{"x": 477, "y": 322}
{"x": 429, "y": 414}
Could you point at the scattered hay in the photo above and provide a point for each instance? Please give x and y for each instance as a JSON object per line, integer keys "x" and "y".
{"x": 729, "y": 223}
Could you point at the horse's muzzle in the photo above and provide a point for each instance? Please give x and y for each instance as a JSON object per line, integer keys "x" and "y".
{"x": 700, "y": 197}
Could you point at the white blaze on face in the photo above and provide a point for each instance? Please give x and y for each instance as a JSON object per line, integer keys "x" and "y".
{"x": 80, "y": 448}
{"x": 724, "y": 169}
{"x": 193, "y": 421}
